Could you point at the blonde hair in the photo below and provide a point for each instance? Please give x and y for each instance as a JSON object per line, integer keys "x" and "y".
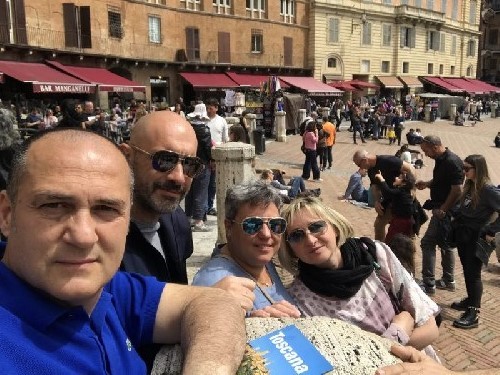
{"x": 339, "y": 223}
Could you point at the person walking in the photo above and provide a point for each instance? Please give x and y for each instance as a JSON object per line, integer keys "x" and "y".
{"x": 330, "y": 140}
{"x": 479, "y": 201}
{"x": 310, "y": 138}
{"x": 445, "y": 189}
{"x": 356, "y": 124}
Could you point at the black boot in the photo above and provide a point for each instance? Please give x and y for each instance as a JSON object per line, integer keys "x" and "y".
{"x": 469, "y": 319}
{"x": 460, "y": 305}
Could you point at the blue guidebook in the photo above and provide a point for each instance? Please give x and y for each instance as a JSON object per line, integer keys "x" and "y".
{"x": 287, "y": 351}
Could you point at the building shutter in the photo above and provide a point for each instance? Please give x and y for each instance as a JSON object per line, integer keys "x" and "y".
{"x": 70, "y": 25}
{"x": 86, "y": 33}
{"x": 192, "y": 44}
{"x": 413, "y": 34}
{"x": 333, "y": 30}
{"x": 288, "y": 51}
{"x": 402, "y": 37}
{"x": 19, "y": 22}
{"x": 442, "y": 43}
{"x": 224, "y": 47}
{"x": 4, "y": 23}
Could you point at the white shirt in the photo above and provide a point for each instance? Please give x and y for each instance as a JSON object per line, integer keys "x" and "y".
{"x": 218, "y": 130}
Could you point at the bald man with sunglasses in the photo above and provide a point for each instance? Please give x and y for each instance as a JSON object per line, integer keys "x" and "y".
{"x": 162, "y": 156}
{"x": 243, "y": 266}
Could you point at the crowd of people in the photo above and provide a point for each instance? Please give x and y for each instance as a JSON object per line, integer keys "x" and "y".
{"x": 104, "y": 261}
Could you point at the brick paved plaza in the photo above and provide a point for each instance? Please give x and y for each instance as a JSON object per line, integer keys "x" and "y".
{"x": 459, "y": 349}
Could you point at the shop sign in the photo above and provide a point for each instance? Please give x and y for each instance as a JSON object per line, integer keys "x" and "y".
{"x": 58, "y": 88}
{"x": 157, "y": 81}
{"x": 250, "y": 104}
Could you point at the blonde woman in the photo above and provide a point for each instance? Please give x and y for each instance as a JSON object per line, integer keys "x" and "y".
{"x": 353, "y": 279}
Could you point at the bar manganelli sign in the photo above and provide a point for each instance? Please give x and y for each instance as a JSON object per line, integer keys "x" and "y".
{"x": 63, "y": 88}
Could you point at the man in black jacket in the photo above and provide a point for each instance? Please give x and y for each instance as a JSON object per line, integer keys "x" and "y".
{"x": 162, "y": 155}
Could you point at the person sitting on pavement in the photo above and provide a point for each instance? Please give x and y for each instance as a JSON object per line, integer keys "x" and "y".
{"x": 497, "y": 140}
{"x": 355, "y": 189}
{"x": 64, "y": 308}
{"x": 357, "y": 280}
{"x": 243, "y": 266}
{"x": 296, "y": 186}
{"x": 414, "y": 138}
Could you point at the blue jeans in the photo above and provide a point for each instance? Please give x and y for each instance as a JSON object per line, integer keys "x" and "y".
{"x": 431, "y": 239}
{"x": 196, "y": 198}
{"x": 311, "y": 162}
{"x": 298, "y": 185}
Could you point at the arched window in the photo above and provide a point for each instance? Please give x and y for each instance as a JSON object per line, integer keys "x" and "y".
{"x": 332, "y": 62}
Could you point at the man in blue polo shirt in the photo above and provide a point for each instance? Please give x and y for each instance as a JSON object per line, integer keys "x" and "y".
{"x": 63, "y": 306}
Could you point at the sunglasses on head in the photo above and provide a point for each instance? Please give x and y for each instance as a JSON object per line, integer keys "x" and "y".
{"x": 254, "y": 224}
{"x": 315, "y": 228}
{"x": 165, "y": 161}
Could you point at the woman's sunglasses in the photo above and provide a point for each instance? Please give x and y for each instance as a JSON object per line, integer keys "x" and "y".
{"x": 315, "y": 228}
{"x": 165, "y": 161}
{"x": 254, "y": 224}
{"x": 467, "y": 169}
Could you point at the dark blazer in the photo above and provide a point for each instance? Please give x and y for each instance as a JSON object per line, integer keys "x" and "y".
{"x": 177, "y": 242}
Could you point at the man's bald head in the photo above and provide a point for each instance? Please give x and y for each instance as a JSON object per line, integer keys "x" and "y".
{"x": 156, "y": 124}
{"x": 64, "y": 136}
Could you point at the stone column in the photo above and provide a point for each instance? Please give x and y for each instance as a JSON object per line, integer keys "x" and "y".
{"x": 280, "y": 126}
{"x": 453, "y": 111}
{"x": 427, "y": 113}
{"x": 302, "y": 117}
{"x": 252, "y": 124}
{"x": 494, "y": 107}
{"x": 234, "y": 165}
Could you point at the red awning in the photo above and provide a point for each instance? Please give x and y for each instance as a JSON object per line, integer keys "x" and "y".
{"x": 252, "y": 80}
{"x": 44, "y": 78}
{"x": 342, "y": 85}
{"x": 312, "y": 86}
{"x": 362, "y": 84}
{"x": 106, "y": 80}
{"x": 485, "y": 86}
{"x": 209, "y": 80}
{"x": 464, "y": 85}
{"x": 438, "y": 81}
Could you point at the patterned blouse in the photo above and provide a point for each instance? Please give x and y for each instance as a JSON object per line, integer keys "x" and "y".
{"x": 371, "y": 307}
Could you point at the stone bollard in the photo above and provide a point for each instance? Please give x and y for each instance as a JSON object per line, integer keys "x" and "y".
{"x": 399, "y": 110}
{"x": 280, "y": 126}
{"x": 325, "y": 111}
{"x": 472, "y": 108}
{"x": 252, "y": 125}
{"x": 302, "y": 117}
{"x": 427, "y": 113}
{"x": 453, "y": 111}
{"x": 494, "y": 107}
{"x": 234, "y": 165}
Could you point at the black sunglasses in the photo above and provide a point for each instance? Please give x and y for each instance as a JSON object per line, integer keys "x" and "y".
{"x": 254, "y": 224}
{"x": 315, "y": 228}
{"x": 165, "y": 161}
{"x": 467, "y": 169}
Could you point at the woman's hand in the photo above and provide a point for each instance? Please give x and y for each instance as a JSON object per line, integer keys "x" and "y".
{"x": 405, "y": 321}
{"x": 378, "y": 176}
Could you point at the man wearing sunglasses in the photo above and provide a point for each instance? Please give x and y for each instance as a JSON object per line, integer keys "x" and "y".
{"x": 162, "y": 155}
{"x": 243, "y": 266}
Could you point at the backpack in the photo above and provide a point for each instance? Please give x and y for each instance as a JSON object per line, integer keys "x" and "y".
{"x": 204, "y": 138}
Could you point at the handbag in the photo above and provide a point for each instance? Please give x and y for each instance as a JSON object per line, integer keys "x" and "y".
{"x": 484, "y": 250}
{"x": 303, "y": 148}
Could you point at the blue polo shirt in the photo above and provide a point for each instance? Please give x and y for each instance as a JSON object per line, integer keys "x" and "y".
{"x": 40, "y": 336}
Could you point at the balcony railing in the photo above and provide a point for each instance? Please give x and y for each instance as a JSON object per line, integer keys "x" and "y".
{"x": 166, "y": 52}
{"x": 419, "y": 14}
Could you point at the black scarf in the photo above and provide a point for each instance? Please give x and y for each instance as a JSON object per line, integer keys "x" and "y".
{"x": 360, "y": 260}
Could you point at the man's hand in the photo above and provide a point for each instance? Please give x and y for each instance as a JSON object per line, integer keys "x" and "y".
{"x": 239, "y": 287}
{"x": 281, "y": 309}
{"x": 419, "y": 363}
{"x": 379, "y": 208}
